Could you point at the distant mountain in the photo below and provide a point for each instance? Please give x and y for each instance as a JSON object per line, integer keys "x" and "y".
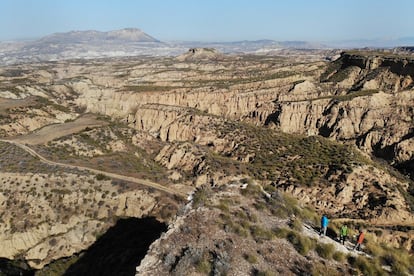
{"x": 253, "y": 46}
{"x": 376, "y": 43}
{"x": 124, "y": 35}
{"x": 86, "y": 45}
{"x": 127, "y": 42}
{"x": 134, "y": 42}
{"x": 406, "y": 41}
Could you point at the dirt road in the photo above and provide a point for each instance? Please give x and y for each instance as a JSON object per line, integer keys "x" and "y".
{"x": 143, "y": 182}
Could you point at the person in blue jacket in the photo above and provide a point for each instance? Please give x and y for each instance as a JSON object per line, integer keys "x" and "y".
{"x": 324, "y": 225}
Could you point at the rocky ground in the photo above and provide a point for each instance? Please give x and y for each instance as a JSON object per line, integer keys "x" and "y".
{"x": 336, "y": 135}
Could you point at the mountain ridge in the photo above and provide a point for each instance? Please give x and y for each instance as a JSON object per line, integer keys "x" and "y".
{"x": 88, "y": 44}
{"x": 126, "y": 34}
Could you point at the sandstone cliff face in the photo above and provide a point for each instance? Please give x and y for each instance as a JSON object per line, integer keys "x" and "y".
{"x": 378, "y": 118}
{"x": 376, "y": 123}
{"x": 372, "y": 71}
{"x": 58, "y": 215}
{"x": 401, "y": 65}
{"x": 195, "y": 113}
{"x": 230, "y": 103}
{"x": 172, "y": 123}
{"x": 366, "y": 193}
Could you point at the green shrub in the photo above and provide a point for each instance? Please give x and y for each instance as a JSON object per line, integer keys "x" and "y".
{"x": 296, "y": 225}
{"x": 291, "y": 205}
{"x": 204, "y": 266}
{"x": 373, "y": 249}
{"x": 281, "y": 233}
{"x": 260, "y": 205}
{"x": 400, "y": 261}
{"x": 251, "y": 258}
{"x": 101, "y": 176}
{"x": 279, "y": 212}
{"x": 319, "y": 269}
{"x": 326, "y": 251}
{"x": 310, "y": 215}
{"x": 58, "y": 267}
{"x": 240, "y": 230}
{"x": 240, "y": 214}
{"x": 365, "y": 266}
{"x": 264, "y": 273}
{"x": 201, "y": 196}
{"x": 301, "y": 243}
{"x": 339, "y": 256}
{"x": 252, "y": 190}
{"x": 260, "y": 234}
{"x": 223, "y": 206}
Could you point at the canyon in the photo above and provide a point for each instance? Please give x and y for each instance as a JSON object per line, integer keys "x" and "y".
{"x": 332, "y": 130}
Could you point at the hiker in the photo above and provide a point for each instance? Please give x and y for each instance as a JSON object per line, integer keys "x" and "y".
{"x": 360, "y": 239}
{"x": 343, "y": 233}
{"x": 324, "y": 225}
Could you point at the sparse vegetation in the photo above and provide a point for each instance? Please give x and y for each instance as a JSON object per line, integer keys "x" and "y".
{"x": 296, "y": 225}
{"x": 261, "y": 160}
{"x": 260, "y": 234}
{"x": 301, "y": 243}
{"x": 204, "y": 265}
{"x": 365, "y": 266}
{"x": 101, "y": 177}
{"x": 400, "y": 261}
{"x": 339, "y": 256}
{"x": 201, "y": 196}
{"x": 326, "y": 251}
{"x": 305, "y": 159}
{"x": 319, "y": 269}
{"x": 251, "y": 258}
{"x": 147, "y": 88}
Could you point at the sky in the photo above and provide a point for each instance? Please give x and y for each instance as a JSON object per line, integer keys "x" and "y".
{"x": 213, "y": 20}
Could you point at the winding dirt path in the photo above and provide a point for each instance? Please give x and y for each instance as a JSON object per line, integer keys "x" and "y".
{"x": 143, "y": 182}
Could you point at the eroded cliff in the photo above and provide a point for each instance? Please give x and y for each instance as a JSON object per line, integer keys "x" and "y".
{"x": 195, "y": 123}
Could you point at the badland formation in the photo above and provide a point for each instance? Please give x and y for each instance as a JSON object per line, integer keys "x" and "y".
{"x": 233, "y": 157}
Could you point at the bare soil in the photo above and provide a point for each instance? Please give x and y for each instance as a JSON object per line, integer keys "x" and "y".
{"x": 6, "y": 104}
{"x": 52, "y": 132}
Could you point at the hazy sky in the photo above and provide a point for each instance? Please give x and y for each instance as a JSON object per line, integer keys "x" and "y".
{"x": 213, "y": 20}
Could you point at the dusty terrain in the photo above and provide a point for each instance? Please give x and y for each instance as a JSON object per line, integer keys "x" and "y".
{"x": 55, "y": 131}
{"x": 336, "y": 135}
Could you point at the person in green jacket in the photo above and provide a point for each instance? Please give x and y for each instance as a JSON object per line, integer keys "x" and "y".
{"x": 343, "y": 233}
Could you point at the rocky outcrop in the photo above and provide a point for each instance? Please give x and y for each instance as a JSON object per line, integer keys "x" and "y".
{"x": 368, "y": 100}
{"x": 378, "y": 122}
{"x": 388, "y": 71}
{"x": 190, "y": 117}
{"x": 381, "y": 123}
{"x": 194, "y": 54}
{"x": 230, "y": 103}
{"x": 184, "y": 157}
{"x": 400, "y": 65}
{"x": 218, "y": 240}
{"x": 50, "y": 217}
{"x": 367, "y": 193}
{"x": 173, "y": 123}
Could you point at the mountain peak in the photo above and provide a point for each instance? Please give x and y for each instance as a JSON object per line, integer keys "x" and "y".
{"x": 131, "y": 34}
{"x": 124, "y": 35}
